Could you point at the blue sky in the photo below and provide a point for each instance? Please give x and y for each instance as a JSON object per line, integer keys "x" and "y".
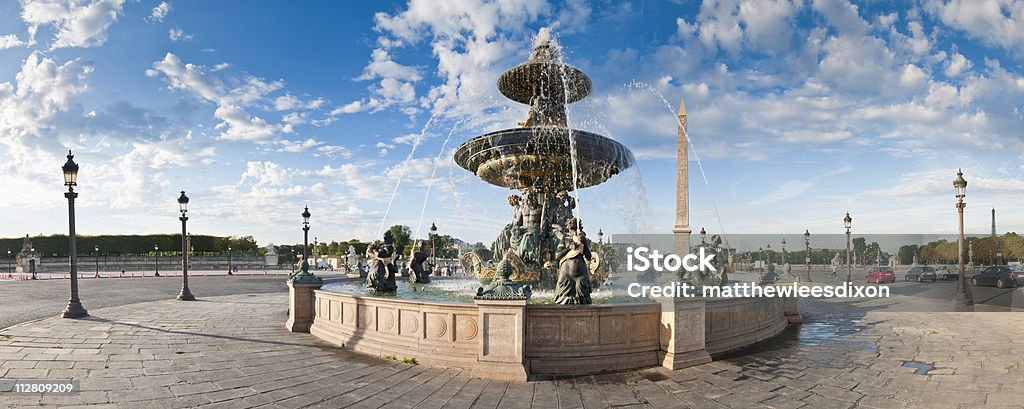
{"x": 799, "y": 112}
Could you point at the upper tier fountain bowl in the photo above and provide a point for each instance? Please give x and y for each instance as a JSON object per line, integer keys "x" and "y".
{"x": 540, "y": 158}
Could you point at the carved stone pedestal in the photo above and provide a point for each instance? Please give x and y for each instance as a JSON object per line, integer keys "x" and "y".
{"x": 301, "y": 306}
{"x": 502, "y": 340}
{"x": 682, "y": 333}
{"x": 791, "y": 306}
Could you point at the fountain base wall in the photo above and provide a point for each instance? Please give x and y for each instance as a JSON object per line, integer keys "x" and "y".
{"x": 512, "y": 340}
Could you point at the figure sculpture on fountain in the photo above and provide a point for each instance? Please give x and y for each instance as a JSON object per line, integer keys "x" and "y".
{"x": 381, "y": 259}
{"x": 419, "y": 256}
{"x": 573, "y": 285}
{"x": 721, "y": 262}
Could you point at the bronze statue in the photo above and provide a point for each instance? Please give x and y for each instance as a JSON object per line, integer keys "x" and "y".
{"x": 381, "y": 259}
{"x": 419, "y": 275}
{"x": 573, "y": 285}
{"x": 722, "y": 265}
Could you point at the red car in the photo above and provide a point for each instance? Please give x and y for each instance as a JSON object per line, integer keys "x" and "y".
{"x": 881, "y": 275}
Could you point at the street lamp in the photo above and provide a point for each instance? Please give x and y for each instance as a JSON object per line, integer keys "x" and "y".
{"x": 186, "y": 294}
{"x": 783, "y": 250}
{"x": 32, "y": 262}
{"x": 847, "y": 222}
{"x": 768, "y": 250}
{"x": 999, "y": 251}
{"x": 807, "y": 248}
{"x": 74, "y": 308}
{"x": 761, "y": 250}
{"x": 962, "y": 299}
{"x": 10, "y": 267}
{"x": 96, "y": 258}
{"x": 293, "y": 262}
{"x": 156, "y": 259}
{"x": 304, "y": 276}
{"x": 230, "y": 261}
{"x": 702, "y": 235}
{"x": 600, "y": 236}
{"x": 433, "y": 254}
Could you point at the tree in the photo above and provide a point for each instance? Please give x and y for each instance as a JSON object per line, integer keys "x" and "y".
{"x": 859, "y": 245}
{"x": 402, "y": 235}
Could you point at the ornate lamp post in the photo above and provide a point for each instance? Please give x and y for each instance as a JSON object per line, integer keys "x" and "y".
{"x": 156, "y": 259}
{"x": 96, "y": 258}
{"x": 32, "y": 263}
{"x": 305, "y": 233}
{"x": 999, "y": 252}
{"x": 847, "y": 222}
{"x": 186, "y": 294}
{"x": 783, "y": 251}
{"x": 230, "y": 262}
{"x": 304, "y": 276}
{"x": 433, "y": 253}
{"x": 807, "y": 248}
{"x": 768, "y": 251}
{"x": 761, "y": 250}
{"x": 74, "y": 308}
{"x": 962, "y": 299}
{"x": 703, "y": 234}
{"x": 293, "y": 263}
{"x": 10, "y": 268}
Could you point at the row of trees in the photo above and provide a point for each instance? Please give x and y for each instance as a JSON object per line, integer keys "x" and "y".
{"x": 128, "y": 245}
{"x": 986, "y": 249}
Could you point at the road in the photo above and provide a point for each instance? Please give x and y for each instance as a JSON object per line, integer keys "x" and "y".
{"x": 926, "y": 296}
{"x": 25, "y": 300}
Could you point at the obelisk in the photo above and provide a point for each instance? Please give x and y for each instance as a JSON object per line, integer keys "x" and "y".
{"x": 993, "y": 222}
{"x": 681, "y": 231}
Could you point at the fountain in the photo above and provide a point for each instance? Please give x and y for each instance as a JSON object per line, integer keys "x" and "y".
{"x": 544, "y": 159}
{"x": 507, "y": 331}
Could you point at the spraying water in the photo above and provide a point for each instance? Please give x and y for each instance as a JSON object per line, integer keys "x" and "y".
{"x": 401, "y": 172}
{"x": 545, "y": 35}
{"x": 433, "y": 172}
{"x": 700, "y": 164}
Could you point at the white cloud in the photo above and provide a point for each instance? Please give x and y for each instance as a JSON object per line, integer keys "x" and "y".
{"x": 957, "y": 65}
{"x": 42, "y": 89}
{"x": 176, "y": 34}
{"x": 234, "y": 105}
{"x": 994, "y": 22}
{"x": 159, "y": 12}
{"x": 77, "y": 24}
{"x": 10, "y": 41}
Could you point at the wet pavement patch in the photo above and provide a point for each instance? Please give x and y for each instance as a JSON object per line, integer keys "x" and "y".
{"x": 920, "y": 368}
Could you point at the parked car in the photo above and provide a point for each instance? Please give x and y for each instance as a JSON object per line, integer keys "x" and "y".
{"x": 881, "y": 275}
{"x": 1017, "y": 269}
{"x": 946, "y": 273}
{"x": 999, "y": 276}
{"x": 920, "y": 274}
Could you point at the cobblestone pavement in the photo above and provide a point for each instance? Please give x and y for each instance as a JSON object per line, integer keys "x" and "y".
{"x": 232, "y": 351}
{"x": 22, "y": 301}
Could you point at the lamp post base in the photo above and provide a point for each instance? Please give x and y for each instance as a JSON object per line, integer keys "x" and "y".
{"x": 186, "y": 295}
{"x": 963, "y": 303}
{"x": 74, "y": 310}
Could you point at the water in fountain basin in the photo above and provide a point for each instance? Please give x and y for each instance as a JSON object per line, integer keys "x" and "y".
{"x": 460, "y": 291}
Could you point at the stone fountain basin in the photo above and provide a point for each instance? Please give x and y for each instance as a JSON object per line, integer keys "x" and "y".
{"x": 487, "y": 337}
{"x": 541, "y": 157}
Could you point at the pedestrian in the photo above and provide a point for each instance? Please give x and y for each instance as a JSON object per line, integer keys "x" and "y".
{"x": 833, "y": 275}
{"x": 122, "y": 272}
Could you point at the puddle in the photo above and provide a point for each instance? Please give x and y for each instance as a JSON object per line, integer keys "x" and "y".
{"x": 921, "y": 368}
